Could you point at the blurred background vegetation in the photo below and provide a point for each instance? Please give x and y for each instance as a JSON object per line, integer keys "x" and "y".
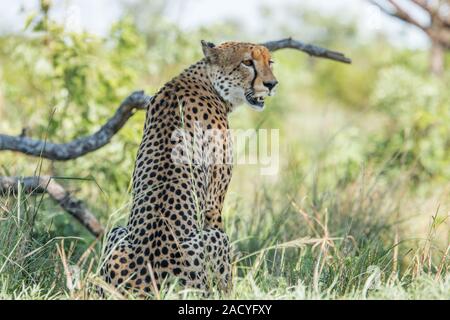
{"x": 363, "y": 187}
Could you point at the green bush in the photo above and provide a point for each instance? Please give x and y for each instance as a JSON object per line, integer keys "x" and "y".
{"x": 417, "y": 132}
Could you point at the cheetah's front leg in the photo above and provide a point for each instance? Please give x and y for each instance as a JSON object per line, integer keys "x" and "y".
{"x": 119, "y": 267}
{"x": 207, "y": 260}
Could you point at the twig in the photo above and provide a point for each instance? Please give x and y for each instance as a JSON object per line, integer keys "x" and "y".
{"x": 81, "y": 146}
{"x": 437, "y": 28}
{"x": 310, "y": 49}
{"x": 398, "y": 12}
{"x": 39, "y": 185}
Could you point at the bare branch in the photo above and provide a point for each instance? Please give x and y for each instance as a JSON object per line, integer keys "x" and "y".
{"x": 81, "y": 146}
{"x": 310, "y": 49}
{"x": 437, "y": 12}
{"x": 39, "y": 185}
{"x": 399, "y": 13}
{"x": 424, "y": 4}
{"x": 402, "y": 14}
{"x": 434, "y": 9}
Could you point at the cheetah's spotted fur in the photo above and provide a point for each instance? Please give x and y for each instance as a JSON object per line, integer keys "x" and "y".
{"x": 164, "y": 236}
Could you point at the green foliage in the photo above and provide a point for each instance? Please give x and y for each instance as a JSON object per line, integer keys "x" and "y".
{"x": 81, "y": 94}
{"x": 418, "y": 109}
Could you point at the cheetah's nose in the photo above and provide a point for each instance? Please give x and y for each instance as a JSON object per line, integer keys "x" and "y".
{"x": 270, "y": 84}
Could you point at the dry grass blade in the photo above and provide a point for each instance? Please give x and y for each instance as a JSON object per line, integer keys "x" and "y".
{"x": 154, "y": 285}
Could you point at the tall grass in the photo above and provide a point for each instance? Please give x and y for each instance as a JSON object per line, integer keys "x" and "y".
{"x": 318, "y": 243}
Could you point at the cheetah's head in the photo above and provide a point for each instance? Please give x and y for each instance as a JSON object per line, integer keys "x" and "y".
{"x": 240, "y": 72}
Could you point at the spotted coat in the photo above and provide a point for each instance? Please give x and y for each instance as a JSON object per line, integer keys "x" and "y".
{"x": 175, "y": 230}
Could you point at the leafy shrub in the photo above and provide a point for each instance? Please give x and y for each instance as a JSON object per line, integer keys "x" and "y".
{"x": 418, "y": 131}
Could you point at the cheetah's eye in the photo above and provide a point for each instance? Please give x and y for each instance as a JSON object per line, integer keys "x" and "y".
{"x": 248, "y": 63}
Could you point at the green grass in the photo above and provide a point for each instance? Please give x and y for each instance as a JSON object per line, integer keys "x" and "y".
{"x": 328, "y": 226}
{"x": 345, "y": 243}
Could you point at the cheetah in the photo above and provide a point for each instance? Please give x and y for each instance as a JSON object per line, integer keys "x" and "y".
{"x": 175, "y": 230}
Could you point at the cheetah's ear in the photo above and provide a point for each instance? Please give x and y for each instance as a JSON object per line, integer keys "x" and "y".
{"x": 210, "y": 51}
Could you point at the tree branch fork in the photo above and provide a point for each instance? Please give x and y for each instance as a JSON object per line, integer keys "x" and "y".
{"x": 438, "y": 26}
